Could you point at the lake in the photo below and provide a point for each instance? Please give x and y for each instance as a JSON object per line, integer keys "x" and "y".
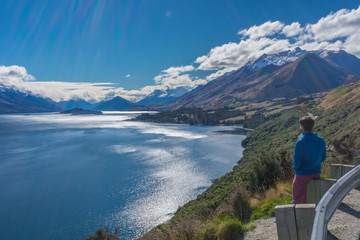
{"x": 64, "y": 176}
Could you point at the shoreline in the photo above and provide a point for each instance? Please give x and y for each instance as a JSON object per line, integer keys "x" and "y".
{"x": 235, "y": 131}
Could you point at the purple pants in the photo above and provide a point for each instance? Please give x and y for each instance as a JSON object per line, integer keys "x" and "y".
{"x": 299, "y": 187}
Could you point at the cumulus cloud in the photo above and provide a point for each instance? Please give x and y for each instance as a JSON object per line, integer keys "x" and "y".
{"x": 12, "y": 75}
{"x": 292, "y": 29}
{"x": 266, "y": 29}
{"x": 174, "y": 77}
{"x": 177, "y": 70}
{"x": 233, "y": 55}
{"x": 343, "y": 23}
{"x": 128, "y": 75}
{"x": 352, "y": 44}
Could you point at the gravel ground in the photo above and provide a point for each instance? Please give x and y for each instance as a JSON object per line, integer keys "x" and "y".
{"x": 344, "y": 225}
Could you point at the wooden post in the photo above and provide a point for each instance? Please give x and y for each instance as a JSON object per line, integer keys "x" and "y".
{"x": 356, "y": 161}
{"x": 326, "y": 184}
{"x": 285, "y": 222}
{"x": 305, "y": 214}
{"x": 313, "y": 191}
{"x": 317, "y": 188}
{"x": 336, "y": 171}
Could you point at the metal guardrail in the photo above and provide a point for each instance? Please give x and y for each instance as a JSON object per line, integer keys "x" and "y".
{"x": 331, "y": 201}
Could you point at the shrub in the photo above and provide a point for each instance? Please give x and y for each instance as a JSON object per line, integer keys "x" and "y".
{"x": 240, "y": 203}
{"x": 184, "y": 229}
{"x": 229, "y": 228}
{"x": 345, "y": 149}
{"x": 208, "y": 233}
{"x": 103, "y": 234}
{"x": 270, "y": 168}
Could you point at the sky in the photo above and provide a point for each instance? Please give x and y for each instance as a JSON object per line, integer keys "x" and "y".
{"x": 96, "y": 50}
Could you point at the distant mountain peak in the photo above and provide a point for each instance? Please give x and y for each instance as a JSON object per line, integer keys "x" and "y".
{"x": 116, "y": 104}
{"x": 163, "y": 96}
{"x": 277, "y": 59}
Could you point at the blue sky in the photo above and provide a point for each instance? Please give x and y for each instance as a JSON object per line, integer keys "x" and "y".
{"x": 128, "y": 44}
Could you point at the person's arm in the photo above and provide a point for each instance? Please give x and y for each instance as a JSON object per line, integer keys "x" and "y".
{"x": 297, "y": 156}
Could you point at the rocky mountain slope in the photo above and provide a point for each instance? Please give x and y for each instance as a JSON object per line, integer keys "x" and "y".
{"x": 308, "y": 74}
{"x": 13, "y": 101}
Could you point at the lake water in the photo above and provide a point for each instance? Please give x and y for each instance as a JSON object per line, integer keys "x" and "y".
{"x": 63, "y": 176}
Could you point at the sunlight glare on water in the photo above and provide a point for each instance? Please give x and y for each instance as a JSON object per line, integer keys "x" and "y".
{"x": 64, "y": 176}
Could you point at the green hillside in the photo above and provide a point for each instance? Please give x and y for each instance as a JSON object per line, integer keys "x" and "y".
{"x": 224, "y": 209}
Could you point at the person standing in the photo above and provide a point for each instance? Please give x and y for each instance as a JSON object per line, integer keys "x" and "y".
{"x": 310, "y": 152}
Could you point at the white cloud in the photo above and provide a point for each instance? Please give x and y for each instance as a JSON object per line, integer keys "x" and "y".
{"x": 201, "y": 59}
{"x": 12, "y": 75}
{"x": 219, "y": 73}
{"x": 17, "y": 77}
{"x": 342, "y": 23}
{"x": 234, "y": 55}
{"x": 266, "y": 29}
{"x": 128, "y": 75}
{"x": 173, "y": 77}
{"x": 292, "y": 29}
{"x": 352, "y": 44}
{"x": 177, "y": 70}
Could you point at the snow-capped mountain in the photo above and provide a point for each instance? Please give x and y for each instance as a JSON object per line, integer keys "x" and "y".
{"x": 162, "y": 96}
{"x": 340, "y": 58}
{"x": 346, "y": 61}
{"x": 14, "y": 101}
{"x": 276, "y": 59}
{"x": 306, "y": 75}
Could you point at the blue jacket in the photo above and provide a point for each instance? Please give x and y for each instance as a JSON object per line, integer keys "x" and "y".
{"x": 310, "y": 152}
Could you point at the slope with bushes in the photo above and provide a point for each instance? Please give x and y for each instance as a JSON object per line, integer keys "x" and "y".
{"x": 224, "y": 209}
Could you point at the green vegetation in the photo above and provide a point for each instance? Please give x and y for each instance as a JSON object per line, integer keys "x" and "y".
{"x": 267, "y": 209}
{"x": 104, "y": 234}
{"x": 194, "y": 116}
{"x": 223, "y": 210}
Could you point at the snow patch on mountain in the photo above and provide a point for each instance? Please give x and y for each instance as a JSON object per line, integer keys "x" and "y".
{"x": 278, "y": 59}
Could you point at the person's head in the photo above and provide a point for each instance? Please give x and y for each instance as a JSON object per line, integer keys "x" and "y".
{"x": 306, "y": 124}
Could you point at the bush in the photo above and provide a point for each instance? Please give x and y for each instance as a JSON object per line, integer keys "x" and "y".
{"x": 229, "y": 229}
{"x": 208, "y": 233}
{"x": 240, "y": 203}
{"x": 104, "y": 234}
{"x": 184, "y": 229}
{"x": 270, "y": 168}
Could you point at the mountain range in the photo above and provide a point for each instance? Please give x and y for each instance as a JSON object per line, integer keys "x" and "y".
{"x": 265, "y": 79}
{"x": 162, "y": 96}
{"x": 287, "y": 74}
{"x": 12, "y": 101}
